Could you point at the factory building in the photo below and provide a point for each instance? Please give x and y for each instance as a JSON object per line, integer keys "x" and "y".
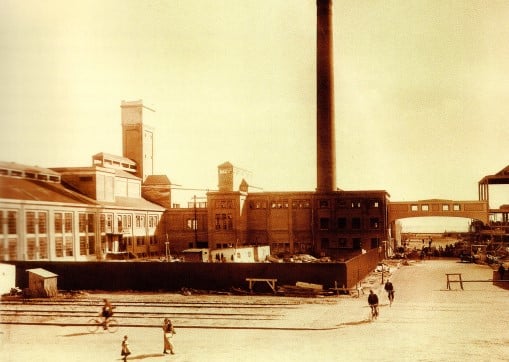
{"x": 87, "y": 213}
{"x": 117, "y": 204}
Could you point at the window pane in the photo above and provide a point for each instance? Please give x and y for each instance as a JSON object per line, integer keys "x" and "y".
{"x": 43, "y": 222}
{"x": 68, "y": 222}
{"x": 91, "y": 223}
{"x": 82, "y": 222}
{"x": 58, "y": 222}
{"x": 43, "y": 248}
{"x": 30, "y": 216}
{"x": 12, "y": 222}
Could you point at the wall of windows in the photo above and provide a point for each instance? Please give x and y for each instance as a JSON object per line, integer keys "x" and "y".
{"x": 224, "y": 221}
{"x": 87, "y": 231}
{"x": 64, "y": 237}
{"x": 9, "y": 234}
{"x": 36, "y": 235}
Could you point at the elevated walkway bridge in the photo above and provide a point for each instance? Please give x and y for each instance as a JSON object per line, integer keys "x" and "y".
{"x": 478, "y": 210}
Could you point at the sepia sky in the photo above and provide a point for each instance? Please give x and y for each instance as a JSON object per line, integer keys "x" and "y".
{"x": 421, "y": 89}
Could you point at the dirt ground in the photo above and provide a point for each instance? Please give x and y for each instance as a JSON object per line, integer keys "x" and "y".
{"x": 427, "y": 322}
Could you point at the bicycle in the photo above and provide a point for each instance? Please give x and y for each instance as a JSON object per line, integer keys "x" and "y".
{"x": 373, "y": 313}
{"x": 391, "y": 296}
{"x": 111, "y": 325}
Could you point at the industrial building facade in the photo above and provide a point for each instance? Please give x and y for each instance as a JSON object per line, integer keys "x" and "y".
{"x": 116, "y": 205}
{"x": 44, "y": 217}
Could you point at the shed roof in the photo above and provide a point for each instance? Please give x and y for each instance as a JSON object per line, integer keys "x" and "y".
{"x": 195, "y": 250}
{"x": 500, "y": 178}
{"x": 42, "y": 273}
{"x": 110, "y": 156}
{"x": 131, "y": 202}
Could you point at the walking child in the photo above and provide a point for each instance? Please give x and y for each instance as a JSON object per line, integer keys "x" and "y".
{"x": 168, "y": 332}
{"x": 125, "y": 349}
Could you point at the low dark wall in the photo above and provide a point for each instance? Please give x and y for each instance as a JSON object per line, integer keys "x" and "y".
{"x": 156, "y": 276}
{"x": 359, "y": 267}
{"x": 501, "y": 283}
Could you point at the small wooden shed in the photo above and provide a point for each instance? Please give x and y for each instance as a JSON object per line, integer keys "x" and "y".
{"x": 42, "y": 283}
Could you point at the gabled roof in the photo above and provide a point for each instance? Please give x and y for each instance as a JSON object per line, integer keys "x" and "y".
{"x": 244, "y": 186}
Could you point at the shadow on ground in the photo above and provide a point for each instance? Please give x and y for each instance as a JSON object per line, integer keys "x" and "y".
{"x": 143, "y": 356}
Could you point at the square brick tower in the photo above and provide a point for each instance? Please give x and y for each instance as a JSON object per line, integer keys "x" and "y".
{"x": 137, "y": 137}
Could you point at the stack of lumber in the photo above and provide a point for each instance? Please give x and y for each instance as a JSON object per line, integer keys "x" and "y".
{"x": 301, "y": 289}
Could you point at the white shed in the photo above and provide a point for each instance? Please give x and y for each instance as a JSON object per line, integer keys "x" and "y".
{"x": 42, "y": 283}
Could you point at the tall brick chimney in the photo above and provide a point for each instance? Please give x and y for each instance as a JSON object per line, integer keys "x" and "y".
{"x": 325, "y": 136}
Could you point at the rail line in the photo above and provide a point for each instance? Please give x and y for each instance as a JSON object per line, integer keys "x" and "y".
{"x": 193, "y": 314}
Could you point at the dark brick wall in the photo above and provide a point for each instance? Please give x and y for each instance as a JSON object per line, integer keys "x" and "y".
{"x": 360, "y": 266}
{"x": 161, "y": 276}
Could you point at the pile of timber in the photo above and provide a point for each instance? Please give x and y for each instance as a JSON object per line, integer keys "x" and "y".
{"x": 301, "y": 289}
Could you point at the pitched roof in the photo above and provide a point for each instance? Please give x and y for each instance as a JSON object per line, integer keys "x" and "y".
{"x": 153, "y": 180}
{"x": 21, "y": 167}
{"x": 225, "y": 164}
{"x": 15, "y": 188}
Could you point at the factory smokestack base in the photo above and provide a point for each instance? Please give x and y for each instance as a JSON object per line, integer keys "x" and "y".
{"x": 325, "y": 133}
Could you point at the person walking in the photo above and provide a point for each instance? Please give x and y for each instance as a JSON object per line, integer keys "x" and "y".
{"x": 373, "y": 303}
{"x": 389, "y": 288}
{"x": 168, "y": 332}
{"x": 125, "y": 349}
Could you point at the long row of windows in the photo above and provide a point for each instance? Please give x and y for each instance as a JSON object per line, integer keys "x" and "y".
{"x": 444, "y": 207}
{"x": 342, "y": 223}
{"x": 348, "y": 243}
{"x": 323, "y": 204}
{"x": 37, "y": 232}
{"x": 124, "y": 222}
{"x": 349, "y": 204}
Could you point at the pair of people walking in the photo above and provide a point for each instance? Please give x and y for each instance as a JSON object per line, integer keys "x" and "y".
{"x": 168, "y": 332}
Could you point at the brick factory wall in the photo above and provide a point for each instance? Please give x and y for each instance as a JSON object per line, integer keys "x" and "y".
{"x": 160, "y": 276}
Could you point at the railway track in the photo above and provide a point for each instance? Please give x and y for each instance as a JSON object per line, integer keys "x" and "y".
{"x": 247, "y": 314}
